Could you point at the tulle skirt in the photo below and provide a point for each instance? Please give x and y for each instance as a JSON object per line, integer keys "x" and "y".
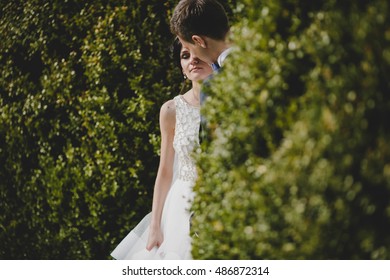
{"x": 175, "y": 225}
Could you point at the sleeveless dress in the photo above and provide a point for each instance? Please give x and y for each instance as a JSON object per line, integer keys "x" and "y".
{"x": 175, "y": 220}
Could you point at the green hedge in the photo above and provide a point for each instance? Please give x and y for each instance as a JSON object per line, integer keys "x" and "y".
{"x": 298, "y": 166}
{"x": 81, "y": 86}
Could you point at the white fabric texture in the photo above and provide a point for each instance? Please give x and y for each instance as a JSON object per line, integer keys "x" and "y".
{"x": 175, "y": 220}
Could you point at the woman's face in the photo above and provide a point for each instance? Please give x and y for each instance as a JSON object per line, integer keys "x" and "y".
{"x": 194, "y": 68}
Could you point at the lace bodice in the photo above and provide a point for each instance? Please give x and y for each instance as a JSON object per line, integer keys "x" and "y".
{"x": 186, "y": 138}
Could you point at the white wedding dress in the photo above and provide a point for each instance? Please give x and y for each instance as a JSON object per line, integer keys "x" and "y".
{"x": 175, "y": 220}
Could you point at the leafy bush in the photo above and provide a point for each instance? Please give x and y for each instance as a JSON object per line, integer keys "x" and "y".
{"x": 298, "y": 164}
{"x": 81, "y": 86}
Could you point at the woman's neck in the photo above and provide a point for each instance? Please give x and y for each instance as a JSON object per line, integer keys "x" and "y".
{"x": 196, "y": 86}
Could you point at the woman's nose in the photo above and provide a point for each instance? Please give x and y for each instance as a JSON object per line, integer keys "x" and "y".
{"x": 194, "y": 60}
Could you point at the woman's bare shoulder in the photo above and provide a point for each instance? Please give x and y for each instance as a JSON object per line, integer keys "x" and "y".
{"x": 168, "y": 113}
{"x": 168, "y": 108}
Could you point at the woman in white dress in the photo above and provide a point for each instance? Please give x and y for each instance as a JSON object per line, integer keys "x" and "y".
{"x": 165, "y": 232}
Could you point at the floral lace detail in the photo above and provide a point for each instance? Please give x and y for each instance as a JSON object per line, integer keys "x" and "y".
{"x": 186, "y": 137}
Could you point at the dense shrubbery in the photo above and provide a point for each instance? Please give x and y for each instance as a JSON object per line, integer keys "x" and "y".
{"x": 298, "y": 166}
{"x": 299, "y": 163}
{"x": 81, "y": 86}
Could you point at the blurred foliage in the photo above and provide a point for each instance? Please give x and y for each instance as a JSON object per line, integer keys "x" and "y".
{"x": 298, "y": 166}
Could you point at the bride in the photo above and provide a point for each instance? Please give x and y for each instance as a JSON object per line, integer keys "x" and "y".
{"x": 165, "y": 232}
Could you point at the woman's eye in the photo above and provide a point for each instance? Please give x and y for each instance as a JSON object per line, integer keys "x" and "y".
{"x": 185, "y": 56}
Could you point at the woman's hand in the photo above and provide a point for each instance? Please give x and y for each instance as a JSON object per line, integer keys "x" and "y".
{"x": 155, "y": 239}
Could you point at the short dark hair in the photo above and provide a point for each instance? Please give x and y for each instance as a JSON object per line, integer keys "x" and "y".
{"x": 199, "y": 17}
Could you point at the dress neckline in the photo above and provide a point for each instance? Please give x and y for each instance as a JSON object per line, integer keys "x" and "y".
{"x": 186, "y": 102}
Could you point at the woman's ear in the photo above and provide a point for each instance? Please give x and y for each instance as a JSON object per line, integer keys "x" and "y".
{"x": 199, "y": 41}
